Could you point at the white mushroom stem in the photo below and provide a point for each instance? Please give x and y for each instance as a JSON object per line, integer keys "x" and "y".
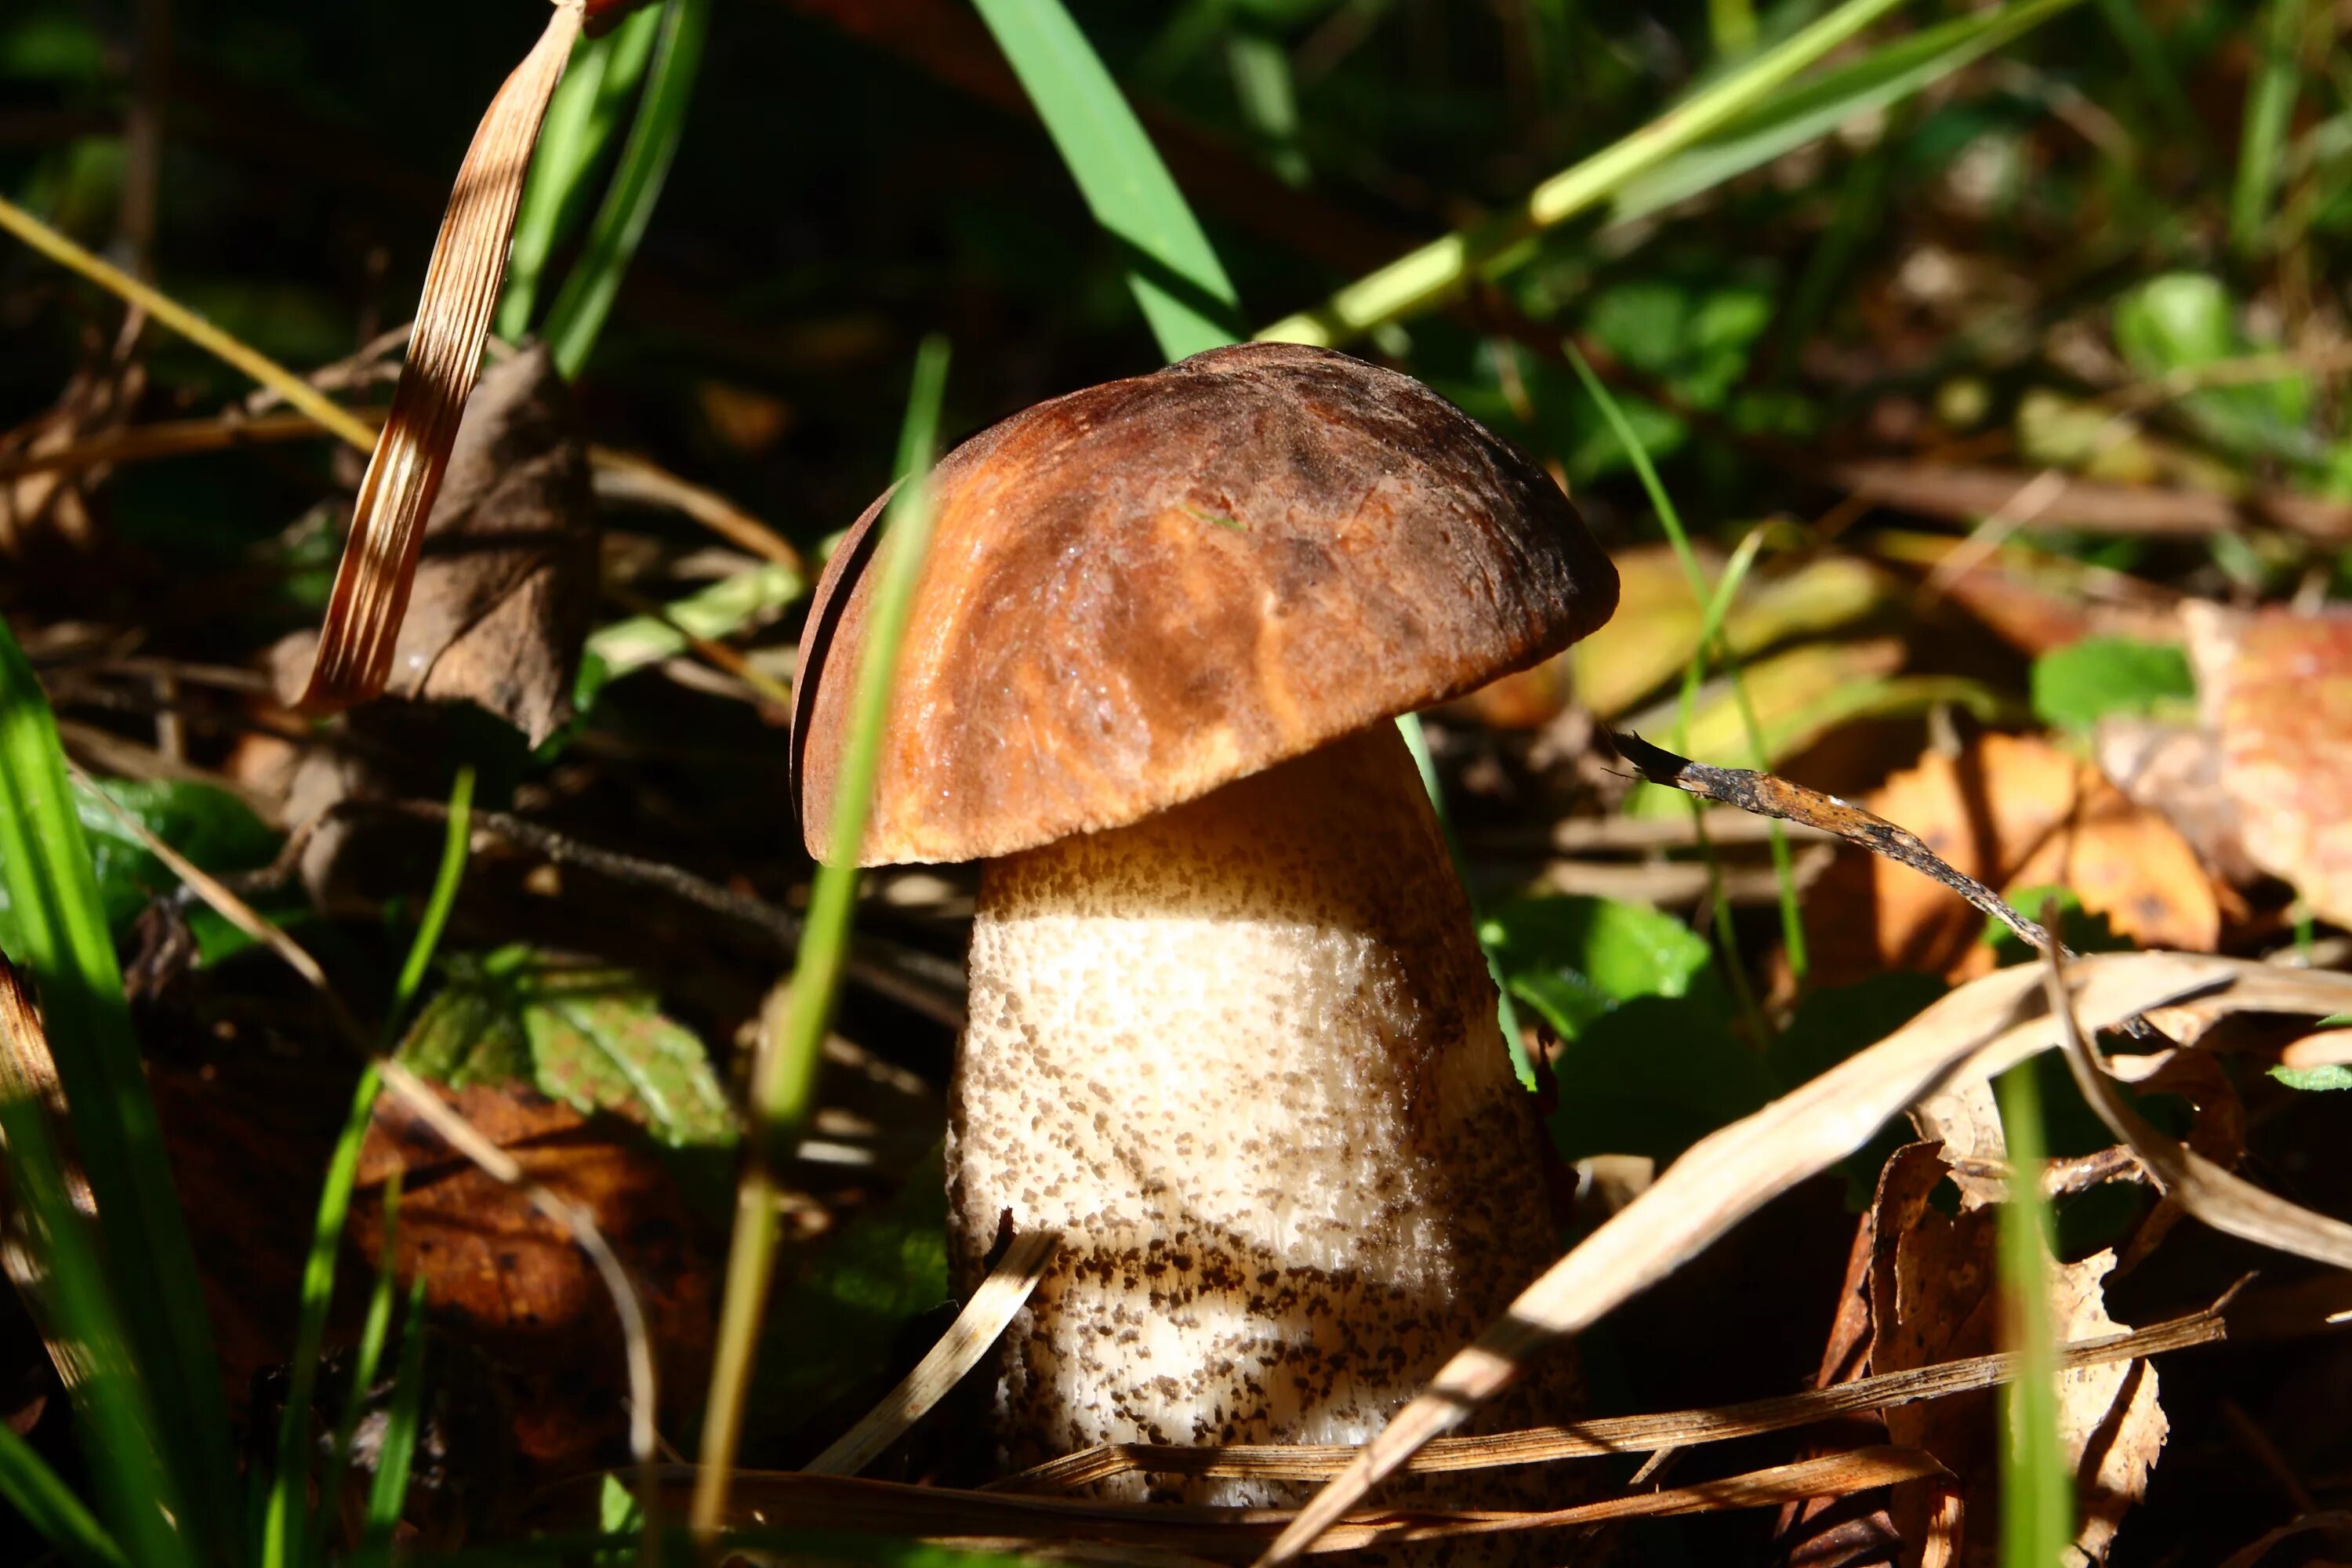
{"x": 1243, "y": 1056}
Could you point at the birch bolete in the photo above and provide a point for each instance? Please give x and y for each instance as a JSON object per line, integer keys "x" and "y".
{"x": 1230, "y": 1032}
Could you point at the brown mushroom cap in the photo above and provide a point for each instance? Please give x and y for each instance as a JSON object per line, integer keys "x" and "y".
{"x": 1150, "y": 588}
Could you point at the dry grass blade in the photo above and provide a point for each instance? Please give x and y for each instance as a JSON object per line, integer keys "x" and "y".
{"x": 453, "y": 1129}
{"x": 1765, "y": 794}
{"x": 996, "y": 1520}
{"x": 162, "y": 438}
{"x": 969, "y": 1338}
{"x": 2228, "y": 1203}
{"x": 1611, "y": 1435}
{"x": 444, "y": 351}
{"x": 623, "y": 475}
{"x": 1732, "y": 1173}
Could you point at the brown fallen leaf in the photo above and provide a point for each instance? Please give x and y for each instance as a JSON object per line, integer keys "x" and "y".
{"x": 507, "y": 578}
{"x": 2012, "y": 812}
{"x": 1934, "y": 1298}
{"x": 2275, "y": 689}
{"x": 2175, "y": 769}
{"x": 509, "y": 1281}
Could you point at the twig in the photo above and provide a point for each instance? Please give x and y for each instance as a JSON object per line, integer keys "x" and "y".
{"x": 1765, "y": 795}
{"x": 931, "y": 986}
{"x": 1610, "y": 1435}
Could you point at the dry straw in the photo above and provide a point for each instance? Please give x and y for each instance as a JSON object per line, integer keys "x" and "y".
{"x": 453, "y": 321}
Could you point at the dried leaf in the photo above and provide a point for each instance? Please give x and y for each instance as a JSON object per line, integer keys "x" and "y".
{"x": 2276, "y": 691}
{"x": 444, "y": 351}
{"x": 506, "y": 582}
{"x": 2012, "y": 812}
{"x": 512, "y": 1280}
{"x": 1934, "y": 1298}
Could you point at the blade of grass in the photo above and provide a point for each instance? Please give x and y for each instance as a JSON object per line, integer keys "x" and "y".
{"x": 390, "y": 1491}
{"x": 1178, "y": 282}
{"x": 284, "y": 1525}
{"x": 574, "y": 140}
{"x": 49, "y": 1506}
{"x": 58, "y": 1267}
{"x": 2152, "y": 70}
{"x": 61, "y": 929}
{"x": 365, "y": 1362}
{"x": 162, "y": 308}
{"x": 1433, "y": 273}
{"x": 577, "y": 317}
{"x": 1813, "y": 110}
{"x": 2270, "y": 105}
{"x": 1711, "y": 646}
{"x": 2037, "y": 1493}
{"x": 785, "y": 1074}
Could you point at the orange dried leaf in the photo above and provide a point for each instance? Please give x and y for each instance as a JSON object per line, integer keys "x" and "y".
{"x": 2012, "y": 812}
{"x": 2276, "y": 691}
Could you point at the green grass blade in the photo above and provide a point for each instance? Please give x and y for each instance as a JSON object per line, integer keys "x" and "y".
{"x": 784, "y": 1078}
{"x": 2037, "y": 1490}
{"x": 1435, "y": 272}
{"x": 77, "y": 1313}
{"x": 1807, "y": 113}
{"x": 2152, "y": 70}
{"x": 578, "y": 315}
{"x": 1792, "y": 925}
{"x": 364, "y": 1363}
{"x": 1178, "y": 280}
{"x": 2270, "y": 105}
{"x": 62, "y": 937}
{"x": 574, "y": 140}
{"x": 390, "y": 1493}
{"x": 285, "y": 1528}
{"x": 49, "y": 1506}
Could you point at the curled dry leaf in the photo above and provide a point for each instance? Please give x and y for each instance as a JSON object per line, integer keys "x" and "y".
{"x": 1934, "y": 1298}
{"x": 507, "y": 578}
{"x": 511, "y": 1281}
{"x": 2275, "y": 689}
{"x": 2012, "y": 812}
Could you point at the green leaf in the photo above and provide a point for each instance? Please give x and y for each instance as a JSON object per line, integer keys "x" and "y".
{"x": 2335, "y": 1074}
{"x": 1575, "y": 959}
{"x": 2077, "y": 686}
{"x": 1176, "y": 276}
{"x": 592, "y": 1037}
{"x": 2181, "y": 322}
{"x": 208, "y": 825}
{"x": 1653, "y": 1077}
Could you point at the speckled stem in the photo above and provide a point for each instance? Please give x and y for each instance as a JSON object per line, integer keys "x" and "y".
{"x": 1243, "y": 1055}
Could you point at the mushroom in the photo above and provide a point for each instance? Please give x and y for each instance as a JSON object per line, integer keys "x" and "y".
{"x": 1230, "y": 1033}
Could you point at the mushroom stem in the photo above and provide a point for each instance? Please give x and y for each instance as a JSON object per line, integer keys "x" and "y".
{"x": 1243, "y": 1056}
